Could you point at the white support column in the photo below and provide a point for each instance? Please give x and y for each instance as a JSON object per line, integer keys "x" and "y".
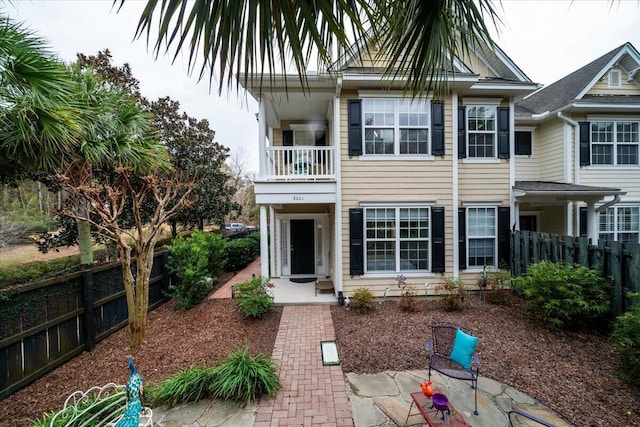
{"x": 272, "y": 248}
{"x": 262, "y": 141}
{"x": 592, "y": 222}
{"x": 264, "y": 246}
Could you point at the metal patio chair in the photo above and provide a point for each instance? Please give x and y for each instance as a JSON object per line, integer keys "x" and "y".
{"x": 439, "y": 348}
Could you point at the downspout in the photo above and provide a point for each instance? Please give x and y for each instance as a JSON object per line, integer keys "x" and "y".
{"x": 576, "y": 166}
{"x": 513, "y": 214}
{"x": 455, "y": 184}
{"x": 337, "y": 244}
{"x": 615, "y": 200}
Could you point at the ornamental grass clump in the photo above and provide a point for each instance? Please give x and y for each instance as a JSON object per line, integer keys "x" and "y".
{"x": 189, "y": 385}
{"x": 243, "y": 377}
{"x": 565, "y": 296}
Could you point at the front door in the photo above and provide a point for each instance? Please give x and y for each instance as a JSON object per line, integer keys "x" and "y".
{"x": 528, "y": 223}
{"x": 302, "y": 246}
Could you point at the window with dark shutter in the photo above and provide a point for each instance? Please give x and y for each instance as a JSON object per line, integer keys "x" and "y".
{"x": 354, "y": 117}
{"x": 437, "y": 128}
{"x": 356, "y": 247}
{"x": 462, "y": 238}
{"x": 585, "y": 141}
{"x": 437, "y": 240}
{"x": 462, "y": 132}
{"x": 523, "y": 143}
{"x": 503, "y": 132}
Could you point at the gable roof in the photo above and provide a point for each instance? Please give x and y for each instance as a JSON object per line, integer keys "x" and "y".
{"x": 575, "y": 85}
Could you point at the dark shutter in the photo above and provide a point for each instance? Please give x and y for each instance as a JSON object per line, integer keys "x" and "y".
{"x": 584, "y": 230}
{"x": 356, "y": 243}
{"x": 503, "y": 132}
{"x": 523, "y": 143}
{"x": 354, "y": 113}
{"x": 504, "y": 234}
{"x": 462, "y": 238}
{"x": 287, "y": 141}
{"x": 437, "y": 128}
{"x": 585, "y": 142}
{"x": 437, "y": 239}
{"x": 462, "y": 132}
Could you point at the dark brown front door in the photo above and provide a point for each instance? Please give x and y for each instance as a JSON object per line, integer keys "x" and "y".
{"x": 302, "y": 246}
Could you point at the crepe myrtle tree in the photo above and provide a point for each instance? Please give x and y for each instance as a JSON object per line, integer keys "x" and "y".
{"x": 168, "y": 192}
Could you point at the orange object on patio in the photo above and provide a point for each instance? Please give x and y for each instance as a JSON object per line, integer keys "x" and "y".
{"x": 432, "y": 415}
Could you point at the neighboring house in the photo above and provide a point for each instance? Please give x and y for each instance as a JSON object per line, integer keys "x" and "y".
{"x": 357, "y": 184}
{"x": 577, "y": 160}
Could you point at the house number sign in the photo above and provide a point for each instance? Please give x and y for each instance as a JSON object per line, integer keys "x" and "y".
{"x": 298, "y": 198}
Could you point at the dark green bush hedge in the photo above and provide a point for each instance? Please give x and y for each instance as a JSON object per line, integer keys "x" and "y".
{"x": 241, "y": 252}
{"x": 626, "y": 333}
{"x": 198, "y": 261}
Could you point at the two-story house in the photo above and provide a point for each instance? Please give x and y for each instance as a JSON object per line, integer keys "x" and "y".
{"x": 358, "y": 183}
{"x": 576, "y": 152}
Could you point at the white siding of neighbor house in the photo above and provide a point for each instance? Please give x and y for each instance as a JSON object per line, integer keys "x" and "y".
{"x": 627, "y": 179}
{"x": 416, "y": 181}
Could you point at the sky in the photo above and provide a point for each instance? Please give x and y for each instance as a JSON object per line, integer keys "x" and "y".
{"x": 546, "y": 39}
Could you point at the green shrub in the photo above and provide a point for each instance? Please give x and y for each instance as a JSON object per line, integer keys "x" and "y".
{"x": 241, "y": 252}
{"x": 243, "y": 377}
{"x": 189, "y": 385}
{"x": 363, "y": 301}
{"x": 451, "y": 290}
{"x": 565, "y": 296}
{"x": 197, "y": 260}
{"x": 252, "y": 298}
{"x": 626, "y": 333}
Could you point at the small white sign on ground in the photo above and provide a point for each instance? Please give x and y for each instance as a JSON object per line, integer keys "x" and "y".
{"x": 329, "y": 353}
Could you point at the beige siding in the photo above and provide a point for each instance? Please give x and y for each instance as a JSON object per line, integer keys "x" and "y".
{"x": 476, "y": 65}
{"x": 601, "y": 87}
{"x": 393, "y": 181}
{"x": 552, "y": 220}
{"x": 527, "y": 168}
{"x": 483, "y": 182}
{"x": 550, "y": 141}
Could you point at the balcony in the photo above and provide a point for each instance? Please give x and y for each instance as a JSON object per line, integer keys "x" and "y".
{"x": 301, "y": 163}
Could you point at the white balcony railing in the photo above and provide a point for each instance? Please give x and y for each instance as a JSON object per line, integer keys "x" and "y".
{"x": 300, "y": 163}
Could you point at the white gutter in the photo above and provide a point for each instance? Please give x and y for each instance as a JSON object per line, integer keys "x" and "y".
{"x": 615, "y": 200}
{"x": 337, "y": 244}
{"x": 454, "y": 180}
{"x": 576, "y": 166}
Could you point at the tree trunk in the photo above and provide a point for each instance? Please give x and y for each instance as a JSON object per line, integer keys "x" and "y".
{"x": 174, "y": 229}
{"x": 85, "y": 243}
{"x": 40, "y": 198}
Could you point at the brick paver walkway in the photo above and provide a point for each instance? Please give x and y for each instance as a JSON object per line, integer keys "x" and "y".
{"x": 311, "y": 394}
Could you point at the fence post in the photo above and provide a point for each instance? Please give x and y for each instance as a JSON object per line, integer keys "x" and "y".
{"x": 516, "y": 260}
{"x": 526, "y": 258}
{"x": 166, "y": 275}
{"x": 535, "y": 246}
{"x": 555, "y": 248}
{"x": 616, "y": 274}
{"x": 569, "y": 251}
{"x": 87, "y": 301}
{"x": 583, "y": 251}
{"x": 634, "y": 269}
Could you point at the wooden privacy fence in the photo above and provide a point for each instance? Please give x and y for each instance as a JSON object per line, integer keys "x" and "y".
{"x": 617, "y": 261}
{"x": 45, "y": 324}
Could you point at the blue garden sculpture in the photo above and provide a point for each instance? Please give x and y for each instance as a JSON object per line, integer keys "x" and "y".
{"x": 131, "y": 417}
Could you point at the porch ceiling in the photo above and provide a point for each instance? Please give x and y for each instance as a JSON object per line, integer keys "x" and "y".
{"x": 297, "y": 106}
{"x": 561, "y": 192}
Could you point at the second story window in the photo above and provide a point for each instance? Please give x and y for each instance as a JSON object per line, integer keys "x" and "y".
{"x": 614, "y": 142}
{"x": 395, "y": 127}
{"x": 481, "y": 126}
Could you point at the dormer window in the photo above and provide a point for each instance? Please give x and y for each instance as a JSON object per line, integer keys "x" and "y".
{"x": 615, "y": 78}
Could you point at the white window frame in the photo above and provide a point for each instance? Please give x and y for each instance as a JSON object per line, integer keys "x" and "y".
{"x": 614, "y": 228}
{"x": 615, "y": 78}
{"x": 469, "y": 238}
{"x": 533, "y": 137}
{"x": 398, "y": 240}
{"x": 614, "y": 143}
{"x": 396, "y": 128}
